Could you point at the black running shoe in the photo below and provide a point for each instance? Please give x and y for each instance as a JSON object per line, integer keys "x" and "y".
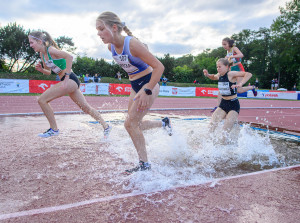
{"x": 141, "y": 167}
{"x": 167, "y": 125}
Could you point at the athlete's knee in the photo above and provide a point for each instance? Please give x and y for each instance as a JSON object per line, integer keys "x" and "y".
{"x": 41, "y": 100}
{"x": 130, "y": 125}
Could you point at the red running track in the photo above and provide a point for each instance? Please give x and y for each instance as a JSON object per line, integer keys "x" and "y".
{"x": 275, "y": 113}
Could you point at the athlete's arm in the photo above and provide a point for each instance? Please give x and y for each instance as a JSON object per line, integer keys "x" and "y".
{"x": 232, "y": 75}
{"x": 211, "y": 76}
{"x": 57, "y": 54}
{"x": 138, "y": 49}
{"x": 46, "y": 70}
{"x": 238, "y": 53}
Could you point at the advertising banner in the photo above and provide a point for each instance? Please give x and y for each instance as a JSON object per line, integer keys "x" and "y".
{"x": 94, "y": 88}
{"x": 14, "y": 86}
{"x": 292, "y": 95}
{"x": 119, "y": 89}
{"x": 40, "y": 86}
{"x": 207, "y": 92}
{"x": 177, "y": 91}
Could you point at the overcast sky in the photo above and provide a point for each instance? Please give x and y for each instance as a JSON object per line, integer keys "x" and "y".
{"x": 177, "y": 27}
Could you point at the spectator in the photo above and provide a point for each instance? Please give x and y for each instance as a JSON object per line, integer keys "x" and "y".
{"x": 57, "y": 78}
{"x": 119, "y": 76}
{"x": 86, "y": 78}
{"x": 295, "y": 87}
{"x": 272, "y": 84}
{"x": 164, "y": 81}
{"x": 276, "y": 83}
{"x": 196, "y": 81}
{"x": 96, "y": 78}
{"x": 256, "y": 83}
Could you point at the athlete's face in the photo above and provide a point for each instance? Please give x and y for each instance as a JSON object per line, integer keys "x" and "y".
{"x": 225, "y": 45}
{"x": 221, "y": 68}
{"x": 104, "y": 32}
{"x": 36, "y": 45}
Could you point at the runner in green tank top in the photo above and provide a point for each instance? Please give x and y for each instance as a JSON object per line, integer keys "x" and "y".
{"x": 59, "y": 62}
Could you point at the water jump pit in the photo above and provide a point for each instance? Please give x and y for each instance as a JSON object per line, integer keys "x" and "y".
{"x": 78, "y": 175}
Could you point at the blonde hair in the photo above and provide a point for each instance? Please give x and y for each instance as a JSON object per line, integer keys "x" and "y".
{"x": 110, "y": 18}
{"x": 225, "y": 62}
{"x": 44, "y": 37}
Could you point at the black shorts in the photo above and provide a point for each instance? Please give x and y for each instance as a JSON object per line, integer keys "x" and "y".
{"x": 139, "y": 83}
{"x": 229, "y": 105}
{"x": 72, "y": 77}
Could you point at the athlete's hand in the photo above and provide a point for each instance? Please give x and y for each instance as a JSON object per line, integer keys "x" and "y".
{"x": 205, "y": 72}
{"x": 38, "y": 67}
{"x": 143, "y": 101}
{"x": 236, "y": 86}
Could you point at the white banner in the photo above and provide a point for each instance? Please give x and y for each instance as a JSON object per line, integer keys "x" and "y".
{"x": 274, "y": 94}
{"x": 177, "y": 91}
{"x": 95, "y": 88}
{"x": 14, "y": 86}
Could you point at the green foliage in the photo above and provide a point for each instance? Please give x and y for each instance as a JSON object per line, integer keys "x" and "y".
{"x": 169, "y": 63}
{"x": 14, "y": 47}
{"x": 66, "y": 44}
{"x": 183, "y": 74}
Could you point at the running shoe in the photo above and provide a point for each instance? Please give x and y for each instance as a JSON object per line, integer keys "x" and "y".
{"x": 167, "y": 125}
{"x": 254, "y": 91}
{"x": 213, "y": 110}
{"x": 50, "y": 132}
{"x": 141, "y": 167}
{"x": 107, "y": 131}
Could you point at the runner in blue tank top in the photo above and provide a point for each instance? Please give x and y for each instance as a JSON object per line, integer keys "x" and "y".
{"x": 229, "y": 107}
{"x": 144, "y": 71}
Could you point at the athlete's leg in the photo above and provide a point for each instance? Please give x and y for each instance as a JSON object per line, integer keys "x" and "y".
{"x": 134, "y": 124}
{"x": 216, "y": 118}
{"x": 80, "y": 100}
{"x": 55, "y": 91}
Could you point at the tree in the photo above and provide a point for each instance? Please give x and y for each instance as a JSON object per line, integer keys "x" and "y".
{"x": 183, "y": 74}
{"x": 66, "y": 44}
{"x": 286, "y": 47}
{"x": 169, "y": 64}
{"x": 14, "y": 48}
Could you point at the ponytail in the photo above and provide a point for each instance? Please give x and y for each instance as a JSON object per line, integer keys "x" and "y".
{"x": 45, "y": 38}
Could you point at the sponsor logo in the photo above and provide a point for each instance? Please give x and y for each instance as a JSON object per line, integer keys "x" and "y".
{"x": 174, "y": 90}
{"x": 119, "y": 88}
{"x": 204, "y": 91}
{"x": 43, "y": 86}
{"x": 127, "y": 89}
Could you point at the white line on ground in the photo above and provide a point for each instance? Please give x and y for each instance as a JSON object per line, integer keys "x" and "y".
{"x": 121, "y": 196}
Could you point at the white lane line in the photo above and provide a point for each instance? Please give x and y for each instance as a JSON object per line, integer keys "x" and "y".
{"x": 121, "y": 196}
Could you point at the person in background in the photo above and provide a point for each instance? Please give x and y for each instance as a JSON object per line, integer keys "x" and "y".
{"x": 256, "y": 83}
{"x": 60, "y": 62}
{"x": 164, "y": 81}
{"x": 294, "y": 87}
{"x": 228, "y": 84}
{"x": 86, "y": 78}
{"x": 272, "y": 84}
{"x": 275, "y": 84}
{"x": 144, "y": 71}
{"x": 96, "y": 78}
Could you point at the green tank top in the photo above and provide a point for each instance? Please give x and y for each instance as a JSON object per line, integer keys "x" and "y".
{"x": 56, "y": 65}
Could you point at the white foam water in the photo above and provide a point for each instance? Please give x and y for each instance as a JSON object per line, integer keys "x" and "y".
{"x": 189, "y": 156}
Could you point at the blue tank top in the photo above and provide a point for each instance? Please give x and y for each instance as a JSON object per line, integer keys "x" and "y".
{"x": 224, "y": 86}
{"x": 131, "y": 64}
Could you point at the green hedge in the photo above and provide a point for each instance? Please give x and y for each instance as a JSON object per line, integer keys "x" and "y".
{"x": 34, "y": 76}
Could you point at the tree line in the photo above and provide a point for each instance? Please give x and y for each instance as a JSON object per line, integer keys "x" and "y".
{"x": 269, "y": 53}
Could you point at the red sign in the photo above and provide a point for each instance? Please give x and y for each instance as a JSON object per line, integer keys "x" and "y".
{"x": 120, "y": 89}
{"x": 206, "y": 92}
{"x": 40, "y": 86}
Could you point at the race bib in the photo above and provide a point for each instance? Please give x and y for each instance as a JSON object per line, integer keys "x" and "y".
{"x": 224, "y": 88}
{"x": 53, "y": 67}
{"x": 124, "y": 62}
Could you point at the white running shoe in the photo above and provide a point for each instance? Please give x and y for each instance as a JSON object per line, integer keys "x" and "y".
{"x": 167, "y": 125}
{"x": 107, "y": 131}
{"x": 50, "y": 132}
